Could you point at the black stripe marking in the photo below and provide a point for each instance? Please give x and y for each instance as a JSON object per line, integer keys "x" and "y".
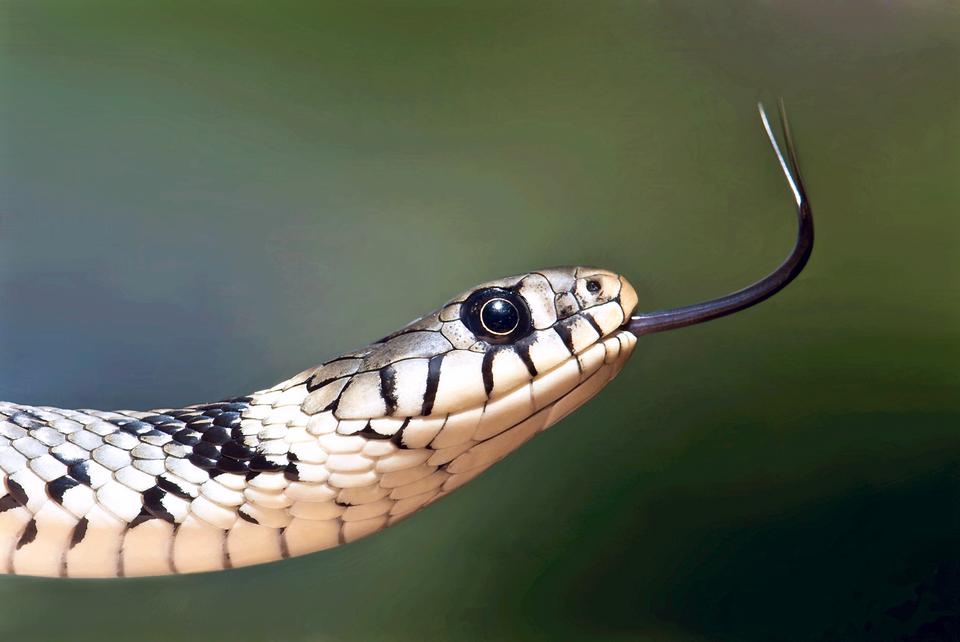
{"x": 57, "y": 487}
{"x": 397, "y": 438}
{"x": 332, "y": 406}
{"x": 593, "y": 323}
{"x": 486, "y": 369}
{"x": 16, "y": 491}
{"x": 246, "y": 518}
{"x": 7, "y": 502}
{"x": 368, "y": 433}
{"x": 28, "y": 535}
{"x": 565, "y": 333}
{"x": 79, "y": 532}
{"x": 227, "y": 562}
{"x": 172, "y": 487}
{"x": 523, "y": 351}
{"x": 173, "y": 540}
{"x": 433, "y": 382}
{"x": 261, "y": 464}
{"x": 388, "y": 388}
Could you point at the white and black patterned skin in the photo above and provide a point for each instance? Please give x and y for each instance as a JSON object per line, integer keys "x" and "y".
{"x": 335, "y": 453}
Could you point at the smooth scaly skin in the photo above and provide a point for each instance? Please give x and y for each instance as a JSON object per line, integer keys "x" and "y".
{"x": 335, "y": 453}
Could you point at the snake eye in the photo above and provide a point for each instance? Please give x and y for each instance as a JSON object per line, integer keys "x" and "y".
{"x": 496, "y": 315}
{"x": 499, "y": 316}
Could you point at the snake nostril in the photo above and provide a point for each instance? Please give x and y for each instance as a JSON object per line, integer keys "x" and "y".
{"x": 593, "y": 286}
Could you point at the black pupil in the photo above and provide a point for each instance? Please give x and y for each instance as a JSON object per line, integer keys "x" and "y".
{"x": 499, "y": 316}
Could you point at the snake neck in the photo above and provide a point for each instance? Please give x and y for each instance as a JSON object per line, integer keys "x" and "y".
{"x": 249, "y": 480}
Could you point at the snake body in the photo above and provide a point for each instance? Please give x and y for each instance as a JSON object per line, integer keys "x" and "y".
{"x": 341, "y": 450}
{"x": 330, "y": 455}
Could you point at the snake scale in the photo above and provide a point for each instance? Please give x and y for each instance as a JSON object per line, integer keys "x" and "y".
{"x": 341, "y": 450}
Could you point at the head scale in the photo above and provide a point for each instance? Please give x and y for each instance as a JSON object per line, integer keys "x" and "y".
{"x": 526, "y": 349}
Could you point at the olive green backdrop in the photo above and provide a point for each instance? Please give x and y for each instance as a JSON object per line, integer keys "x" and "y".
{"x": 201, "y": 198}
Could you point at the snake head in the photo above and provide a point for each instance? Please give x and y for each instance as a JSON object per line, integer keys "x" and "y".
{"x": 525, "y": 349}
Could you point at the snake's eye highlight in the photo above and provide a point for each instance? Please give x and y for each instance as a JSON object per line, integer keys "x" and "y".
{"x": 499, "y": 316}
{"x": 496, "y": 315}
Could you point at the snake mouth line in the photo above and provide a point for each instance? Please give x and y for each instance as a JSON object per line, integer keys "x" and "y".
{"x": 619, "y": 337}
{"x": 563, "y": 399}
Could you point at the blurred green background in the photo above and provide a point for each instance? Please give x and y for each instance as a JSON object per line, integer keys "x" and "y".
{"x": 202, "y": 198}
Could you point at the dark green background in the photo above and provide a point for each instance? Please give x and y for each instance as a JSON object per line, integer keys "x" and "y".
{"x": 200, "y": 198}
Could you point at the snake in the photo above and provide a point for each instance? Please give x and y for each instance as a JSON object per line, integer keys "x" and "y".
{"x": 341, "y": 450}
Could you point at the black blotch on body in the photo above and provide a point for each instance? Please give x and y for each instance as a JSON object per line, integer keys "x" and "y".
{"x": 202, "y": 462}
{"x": 143, "y": 516}
{"x": 79, "y": 532}
{"x": 187, "y": 437}
{"x": 245, "y": 517}
{"x": 7, "y": 502}
{"x": 206, "y": 449}
{"x": 133, "y": 426}
{"x": 261, "y": 464}
{"x": 57, "y": 487}
{"x": 235, "y": 449}
{"x": 16, "y": 491}
{"x": 66, "y": 461}
{"x": 227, "y": 419}
{"x": 79, "y": 472}
{"x": 26, "y": 420}
{"x": 228, "y": 465}
{"x": 168, "y": 485}
{"x": 28, "y": 535}
{"x": 215, "y": 435}
{"x": 152, "y": 503}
